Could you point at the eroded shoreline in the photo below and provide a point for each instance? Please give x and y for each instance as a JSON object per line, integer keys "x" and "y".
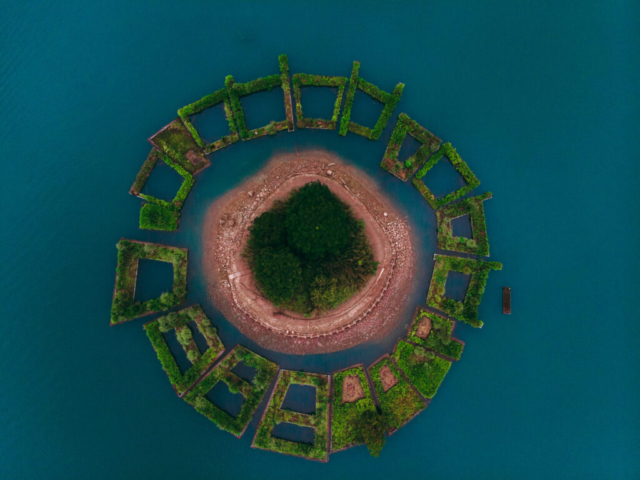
{"x": 369, "y": 315}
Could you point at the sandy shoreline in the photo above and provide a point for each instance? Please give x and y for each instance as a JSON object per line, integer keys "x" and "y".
{"x": 369, "y": 315}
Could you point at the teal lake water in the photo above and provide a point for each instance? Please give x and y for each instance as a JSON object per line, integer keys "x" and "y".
{"x": 540, "y": 99}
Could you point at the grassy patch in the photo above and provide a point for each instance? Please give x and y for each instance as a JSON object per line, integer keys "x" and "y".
{"x": 318, "y": 421}
{"x": 406, "y": 126}
{"x": 461, "y": 167}
{"x": 146, "y": 169}
{"x": 176, "y": 142}
{"x": 304, "y": 80}
{"x": 239, "y": 90}
{"x": 252, "y": 392}
{"x": 201, "y": 361}
{"x": 434, "y": 332}
{"x": 467, "y": 310}
{"x": 215, "y": 98}
{"x": 389, "y": 100}
{"x": 401, "y": 402}
{"x": 423, "y": 368}
{"x": 347, "y": 418}
{"x": 158, "y": 214}
{"x": 479, "y": 243}
{"x": 124, "y": 307}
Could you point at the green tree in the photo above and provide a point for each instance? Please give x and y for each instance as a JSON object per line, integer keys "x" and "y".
{"x": 316, "y": 221}
{"x": 269, "y": 229}
{"x": 278, "y": 273}
{"x": 372, "y": 426}
{"x": 324, "y": 292}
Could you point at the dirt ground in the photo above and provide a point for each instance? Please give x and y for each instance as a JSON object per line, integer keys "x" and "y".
{"x": 387, "y": 378}
{"x": 352, "y": 390}
{"x": 369, "y": 315}
{"x": 424, "y": 328}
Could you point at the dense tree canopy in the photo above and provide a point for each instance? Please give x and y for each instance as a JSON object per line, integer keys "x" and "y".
{"x": 278, "y": 273}
{"x": 316, "y": 221}
{"x": 309, "y": 253}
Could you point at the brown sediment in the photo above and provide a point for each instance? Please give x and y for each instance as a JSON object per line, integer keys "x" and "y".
{"x": 369, "y": 315}
{"x": 352, "y": 390}
{"x": 388, "y": 379}
{"x": 424, "y": 328}
{"x": 506, "y": 300}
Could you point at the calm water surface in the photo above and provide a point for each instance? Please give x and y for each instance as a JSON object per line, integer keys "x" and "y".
{"x": 541, "y": 100}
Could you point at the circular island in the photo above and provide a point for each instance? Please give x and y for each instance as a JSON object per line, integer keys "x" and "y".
{"x": 302, "y": 312}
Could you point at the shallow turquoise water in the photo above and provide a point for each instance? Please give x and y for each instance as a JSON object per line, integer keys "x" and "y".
{"x": 540, "y": 99}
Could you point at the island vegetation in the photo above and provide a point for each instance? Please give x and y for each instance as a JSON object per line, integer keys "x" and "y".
{"x": 175, "y": 141}
{"x": 274, "y": 415}
{"x": 251, "y": 389}
{"x": 220, "y": 96}
{"x": 467, "y": 310}
{"x": 398, "y": 399}
{"x": 389, "y": 100}
{"x": 158, "y": 214}
{"x": 406, "y": 126}
{"x": 301, "y": 80}
{"x": 238, "y": 90}
{"x": 446, "y": 151}
{"x": 124, "y": 307}
{"x": 354, "y": 417}
{"x": 309, "y": 253}
{"x": 434, "y": 332}
{"x": 423, "y": 368}
{"x": 478, "y": 244}
{"x": 201, "y": 361}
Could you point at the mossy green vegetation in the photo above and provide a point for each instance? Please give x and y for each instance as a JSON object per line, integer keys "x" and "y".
{"x": 399, "y": 403}
{"x": 357, "y": 422}
{"x": 461, "y": 167}
{"x": 146, "y": 169}
{"x": 301, "y": 80}
{"x": 467, "y": 310}
{"x": 434, "y": 332}
{"x": 176, "y": 141}
{"x": 239, "y": 90}
{"x": 251, "y": 391}
{"x": 283, "y": 61}
{"x": 158, "y": 214}
{"x": 200, "y": 361}
{"x": 423, "y": 368}
{"x": 274, "y": 415}
{"x": 124, "y": 307}
{"x": 309, "y": 253}
{"x": 389, "y": 100}
{"x": 478, "y": 244}
{"x": 220, "y": 96}
{"x": 406, "y": 126}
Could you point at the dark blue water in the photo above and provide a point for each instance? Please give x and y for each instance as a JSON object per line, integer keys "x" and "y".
{"x": 245, "y": 372}
{"x": 163, "y": 182}
{"x": 300, "y": 398}
{"x": 222, "y": 397}
{"x": 318, "y": 102}
{"x": 443, "y": 179}
{"x": 540, "y": 99}
{"x": 461, "y": 226}
{"x": 211, "y": 123}
{"x": 456, "y": 285}
{"x": 294, "y": 433}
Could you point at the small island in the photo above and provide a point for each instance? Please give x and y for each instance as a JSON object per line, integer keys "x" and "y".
{"x": 307, "y": 256}
{"x": 309, "y": 253}
{"x": 309, "y": 250}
